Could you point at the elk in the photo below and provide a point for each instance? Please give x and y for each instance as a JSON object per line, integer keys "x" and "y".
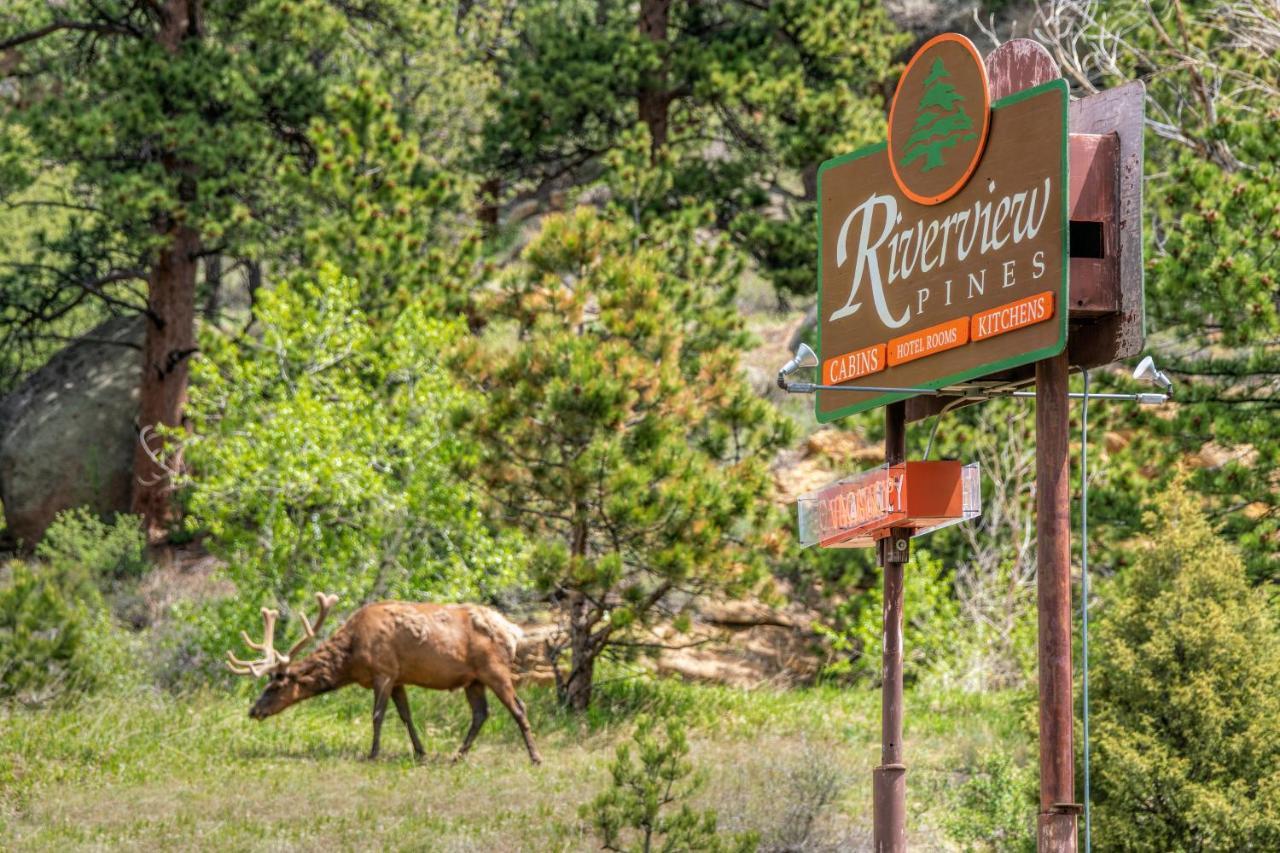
{"x": 387, "y": 646}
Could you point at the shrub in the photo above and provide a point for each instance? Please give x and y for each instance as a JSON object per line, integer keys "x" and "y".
{"x": 807, "y": 784}
{"x": 321, "y": 460}
{"x": 995, "y": 807}
{"x": 56, "y": 633}
{"x": 636, "y": 812}
{"x": 1186, "y": 700}
{"x": 930, "y": 628}
{"x": 78, "y": 540}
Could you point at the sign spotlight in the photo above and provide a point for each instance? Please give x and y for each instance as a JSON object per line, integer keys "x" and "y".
{"x": 1147, "y": 370}
{"x": 804, "y": 357}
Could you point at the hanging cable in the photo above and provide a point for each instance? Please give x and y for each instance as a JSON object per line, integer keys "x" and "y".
{"x": 1084, "y": 601}
{"x": 937, "y": 419}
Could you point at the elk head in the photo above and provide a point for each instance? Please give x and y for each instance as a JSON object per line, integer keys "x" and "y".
{"x": 284, "y": 688}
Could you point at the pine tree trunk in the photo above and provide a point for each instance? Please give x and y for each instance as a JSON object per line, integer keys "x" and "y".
{"x": 584, "y": 647}
{"x": 170, "y": 342}
{"x": 171, "y": 314}
{"x": 213, "y": 288}
{"x": 490, "y": 191}
{"x": 654, "y": 100}
{"x": 577, "y": 687}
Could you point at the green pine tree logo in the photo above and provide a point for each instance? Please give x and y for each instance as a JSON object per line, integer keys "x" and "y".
{"x": 941, "y": 124}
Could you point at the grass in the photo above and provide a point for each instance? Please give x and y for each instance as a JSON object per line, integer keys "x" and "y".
{"x": 150, "y": 770}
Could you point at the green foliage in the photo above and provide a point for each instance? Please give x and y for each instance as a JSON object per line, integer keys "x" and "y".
{"x": 31, "y": 216}
{"x": 930, "y": 630}
{"x": 755, "y": 97}
{"x": 46, "y": 635}
{"x": 1212, "y": 224}
{"x": 1223, "y": 227}
{"x": 322, "y": 452}
{"x": 195, "y": 135}
{"x": 80, "y": 542}
{"x": 994, "y": 808}
{"x": 1186, "y": 695}
{"x": 375, "y": 207}
{"x": 618, "y": 430}
{"x": 56, "y": 633}
{"x": 636, "y": 814}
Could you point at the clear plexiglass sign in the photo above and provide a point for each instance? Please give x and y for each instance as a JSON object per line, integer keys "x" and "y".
{"x": 923, "y": 496}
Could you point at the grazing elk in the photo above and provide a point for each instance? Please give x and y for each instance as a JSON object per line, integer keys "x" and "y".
{"x": 387, "y": 646}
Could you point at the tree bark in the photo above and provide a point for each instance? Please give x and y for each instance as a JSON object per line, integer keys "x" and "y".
{"x": 213, "y": 287}
{"x": 490, "y": 190}
{"x": 170, "y": 342}
{"x": 584, "y": 646}
{"x": 170, "y": 337}
{"x": 654, "y": 98}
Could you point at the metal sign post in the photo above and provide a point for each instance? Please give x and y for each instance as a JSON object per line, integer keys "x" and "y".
{"x": 889, "y": 780}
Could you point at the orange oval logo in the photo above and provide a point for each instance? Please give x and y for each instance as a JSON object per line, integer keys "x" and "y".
{"x": 939, "y": 119}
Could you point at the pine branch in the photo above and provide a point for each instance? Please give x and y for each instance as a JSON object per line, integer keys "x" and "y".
{"x": 61, "y": 26}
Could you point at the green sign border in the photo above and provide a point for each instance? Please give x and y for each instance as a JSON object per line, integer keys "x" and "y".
{"x": 1060, "y": 86}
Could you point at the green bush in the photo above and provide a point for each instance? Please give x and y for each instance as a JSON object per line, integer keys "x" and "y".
{"x": 56, "y": 632}
{"x": 995, "y": 807}
{"x": 1186, "y": 699}
{"x": 78, "y": 540}
{"x": 321, "y": 461}
{"x": 930, "y": 616}
{"x": 638, "y": 812}
{"x": 45, "y": 636}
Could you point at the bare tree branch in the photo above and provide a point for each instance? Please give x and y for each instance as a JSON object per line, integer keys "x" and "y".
{"x": 61, "y": 26}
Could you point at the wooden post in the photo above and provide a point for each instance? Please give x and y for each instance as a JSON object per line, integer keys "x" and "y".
{"x": 1056, "y": 826}
{"x": 889, "y": 782}
{"x": 1015, "y": 65}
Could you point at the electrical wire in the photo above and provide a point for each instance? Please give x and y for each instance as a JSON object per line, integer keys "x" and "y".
{"x": 1084, "y": 601}
{"x": 937, "y": 419}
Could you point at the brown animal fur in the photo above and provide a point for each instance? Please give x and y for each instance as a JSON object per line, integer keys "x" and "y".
{"x": 393, "y": 644}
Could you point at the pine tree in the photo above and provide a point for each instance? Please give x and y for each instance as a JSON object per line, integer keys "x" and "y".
{"x": 618, "y": 431}
{"x": 941, "y": 123}
{"x": 1186, "y": 700}
{"x": 638, "y": 813}
{"x": 1212, "y": 225}
{"x": 171, "y": 120}
{"x": 772, "y": 89}
{"x": 376, "y": 207}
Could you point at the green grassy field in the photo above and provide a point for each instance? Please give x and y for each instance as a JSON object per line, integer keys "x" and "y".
{"x": 149, "y": 770}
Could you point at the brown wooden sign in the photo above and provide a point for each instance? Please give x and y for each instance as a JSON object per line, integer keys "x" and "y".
{"x": 973, "y": 279}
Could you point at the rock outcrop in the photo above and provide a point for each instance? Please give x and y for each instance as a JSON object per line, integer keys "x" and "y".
{"x": 67, "y": 432}
{"x": 742, "y": 643}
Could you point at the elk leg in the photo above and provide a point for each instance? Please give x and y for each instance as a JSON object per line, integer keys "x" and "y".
{"x": 506, "y": 693}
{"x": 381, "y": 692}
{"x": 401, "y": 698}
{"x": 479, "y": 713}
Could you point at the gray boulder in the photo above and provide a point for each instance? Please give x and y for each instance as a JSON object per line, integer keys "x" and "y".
{"x": 67, "y": 432}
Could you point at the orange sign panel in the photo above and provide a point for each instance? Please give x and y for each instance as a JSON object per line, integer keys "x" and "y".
{"x": 923, "y": 496}
{"x": 944, "y": 336}
{"x": 1015, "y": 315}
{"x": 853, "y": 365}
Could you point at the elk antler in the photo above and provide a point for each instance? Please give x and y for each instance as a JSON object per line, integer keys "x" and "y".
{"x": 325, "y": 602}
{"x": 270, "y": 657}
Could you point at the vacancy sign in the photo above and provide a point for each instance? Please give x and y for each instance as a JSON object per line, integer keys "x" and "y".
{"x": 919, "y": 496}
{"x": 943, "y": 251}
